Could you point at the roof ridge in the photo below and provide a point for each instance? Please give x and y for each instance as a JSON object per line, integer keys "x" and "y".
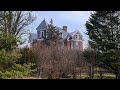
{"x": 42, "y": 25}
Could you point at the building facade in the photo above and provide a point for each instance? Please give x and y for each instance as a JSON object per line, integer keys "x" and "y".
{"x": 73, "y": 40}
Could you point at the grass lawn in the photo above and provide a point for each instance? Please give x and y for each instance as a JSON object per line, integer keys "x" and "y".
{"x": 83, "y": 76}
{"x": 97, "y": 76}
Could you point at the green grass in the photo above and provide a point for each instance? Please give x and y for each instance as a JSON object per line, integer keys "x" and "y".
{"x": 97, "y": 76}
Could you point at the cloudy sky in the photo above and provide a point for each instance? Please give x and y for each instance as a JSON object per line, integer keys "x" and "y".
{"x": 75, "y": 20}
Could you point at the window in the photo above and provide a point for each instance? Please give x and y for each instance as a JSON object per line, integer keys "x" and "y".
{"x": 72, "y": 44}
{"x": 76, "y": 36}
{"x": 61, "y": 34}
{"x": 76, "y": 43}
{"x": 42, "y": 34}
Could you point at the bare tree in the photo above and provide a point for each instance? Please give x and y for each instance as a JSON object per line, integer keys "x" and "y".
{"x": 15, "y": 22}
{"x": 56, "y": 60}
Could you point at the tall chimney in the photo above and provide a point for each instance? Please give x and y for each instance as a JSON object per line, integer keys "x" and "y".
{"x": 65, "y": 28}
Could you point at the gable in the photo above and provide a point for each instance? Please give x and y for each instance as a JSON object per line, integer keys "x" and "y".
{"x": 43, "y": 25}
{"x": 64, "y": 34}
{"x": 76, "y": 34}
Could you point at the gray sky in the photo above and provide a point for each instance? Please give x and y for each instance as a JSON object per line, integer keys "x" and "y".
{"x": 75, "y": 20}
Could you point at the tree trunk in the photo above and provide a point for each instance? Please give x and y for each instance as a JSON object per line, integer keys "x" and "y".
{"x": 91, "y": 75}
{"x": 50, "y": 76}
{"x": 101, "y": 75}
{"x": 116, "y": 76}
{"x": 74, "y": 75}
{"x": 92, "y": 71}
{"x": 38, "y": 70}
{"x": 80, "y": 74}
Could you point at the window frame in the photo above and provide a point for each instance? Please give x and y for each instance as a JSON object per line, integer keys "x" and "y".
{"x": 42, "y": 34}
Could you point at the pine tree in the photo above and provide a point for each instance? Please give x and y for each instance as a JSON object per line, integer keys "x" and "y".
{"x": 52, "y": 33}
{"x": 7, "y": 41}
{"x": 9, "y": 55}
{"x": 103, "y": 28}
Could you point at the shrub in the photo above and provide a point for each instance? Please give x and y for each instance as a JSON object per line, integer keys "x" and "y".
{"x": 55, "y": 59}
{"x": 16, "y": 71}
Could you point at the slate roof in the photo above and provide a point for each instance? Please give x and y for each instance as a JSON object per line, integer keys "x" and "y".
{"x": 43, "y": 25}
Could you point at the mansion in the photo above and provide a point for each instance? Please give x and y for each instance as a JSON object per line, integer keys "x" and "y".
{"x": 74, "y": 39}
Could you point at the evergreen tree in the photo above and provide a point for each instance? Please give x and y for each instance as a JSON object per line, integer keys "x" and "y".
{"x": 7, "y": 41}
{"x": 103, "y": 28}
{"x": 52, "y": 33}
{"x": 9, "y": 55}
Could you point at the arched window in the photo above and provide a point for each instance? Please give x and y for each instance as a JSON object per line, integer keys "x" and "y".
{"x": 61, "y": 34}
{"x": 42, "y": 34}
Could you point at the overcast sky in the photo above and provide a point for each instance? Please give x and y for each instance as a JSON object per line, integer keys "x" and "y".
{"x": 75, "y": 20}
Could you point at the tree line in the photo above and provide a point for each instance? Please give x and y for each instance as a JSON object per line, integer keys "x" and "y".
{"x": 48, "y": 58}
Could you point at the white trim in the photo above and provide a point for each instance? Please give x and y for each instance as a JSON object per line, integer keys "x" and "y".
{"x": 68, "y": 40}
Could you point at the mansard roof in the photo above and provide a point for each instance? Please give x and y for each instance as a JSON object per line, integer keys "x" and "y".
{"x": 43, "y": 25}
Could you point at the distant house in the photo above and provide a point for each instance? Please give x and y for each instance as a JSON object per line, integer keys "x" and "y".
{"x": 70, "y": 40}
